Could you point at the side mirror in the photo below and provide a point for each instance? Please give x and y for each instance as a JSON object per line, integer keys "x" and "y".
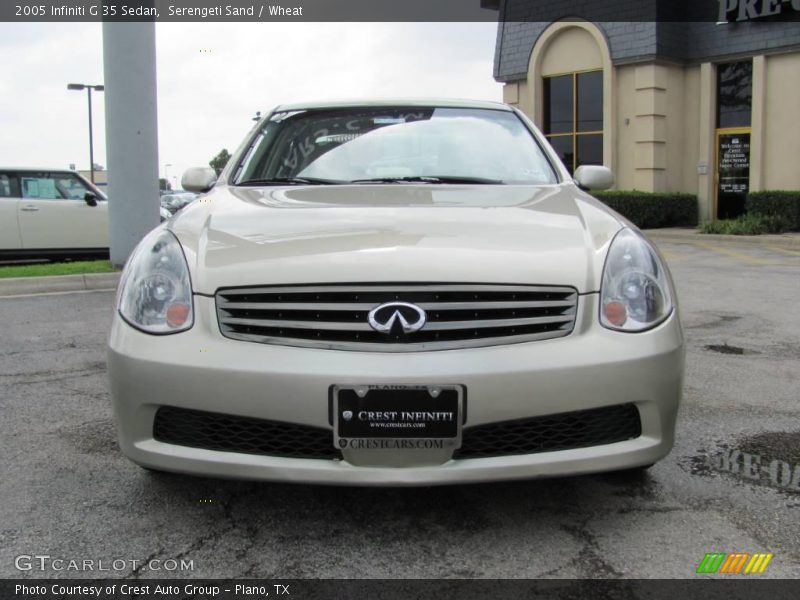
{"x": 90, "y": 198}
{"x": 592, "y": 177}
{"x": 199, "y": 179}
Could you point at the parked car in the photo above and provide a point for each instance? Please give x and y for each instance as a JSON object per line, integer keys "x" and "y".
{"x": 176, "y": 200}
{"x": 52, "y": 213}
{"x": 396, "y": 293}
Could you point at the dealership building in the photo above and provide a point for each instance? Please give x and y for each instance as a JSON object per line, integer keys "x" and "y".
{"x": 707, "y": 103}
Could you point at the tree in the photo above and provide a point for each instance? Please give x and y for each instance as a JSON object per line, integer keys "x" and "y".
{"x": 220, "y": 160}
{"x": 164, "y": 185}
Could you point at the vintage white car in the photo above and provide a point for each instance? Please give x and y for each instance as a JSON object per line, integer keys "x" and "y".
{"x": 396, "y": 293}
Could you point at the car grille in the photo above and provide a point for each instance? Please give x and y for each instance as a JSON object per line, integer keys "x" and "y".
{"x": 563, "y": 431}
{"x": 228, "y": 433}
{"x": 246, "y": 435}
{"x": 336, "y": 316}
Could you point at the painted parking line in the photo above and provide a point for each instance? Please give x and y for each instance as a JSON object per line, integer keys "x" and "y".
{"x": 673, "y": 256}
{"x": 780, "y": 250}
{"x": 739, "y": 256}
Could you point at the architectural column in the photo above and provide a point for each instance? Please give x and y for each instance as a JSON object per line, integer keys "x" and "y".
{"x": 707, "y": 154}
{"x": 129, "y": 57}
{"x": 650, "y": 128}
{"x": 758, "y": 123}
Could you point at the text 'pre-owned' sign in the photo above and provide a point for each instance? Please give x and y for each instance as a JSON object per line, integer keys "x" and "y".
{"x": 747, "y": 10}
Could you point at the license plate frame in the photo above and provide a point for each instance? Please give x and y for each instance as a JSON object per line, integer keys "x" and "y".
{"x": 426, "y": 417}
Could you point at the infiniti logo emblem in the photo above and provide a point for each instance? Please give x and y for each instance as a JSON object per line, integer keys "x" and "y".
{"x": 387, "y": 316}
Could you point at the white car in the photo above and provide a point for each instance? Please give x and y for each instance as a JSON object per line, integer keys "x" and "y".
{"x": 51, "y": 213}
{"x": 396, "y": 293}
{"x": 174, "y": 201}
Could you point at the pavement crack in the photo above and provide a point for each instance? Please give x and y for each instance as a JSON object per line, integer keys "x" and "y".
{"x": 232, "y": 525}
{"x": 251, "y": 530}
{"x": 60, "y": 376}
{"x": 589, "y": 555}
{"x": 134, "y": 574}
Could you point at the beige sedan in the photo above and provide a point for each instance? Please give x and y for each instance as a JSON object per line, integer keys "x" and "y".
{"x": 396, "y": 293}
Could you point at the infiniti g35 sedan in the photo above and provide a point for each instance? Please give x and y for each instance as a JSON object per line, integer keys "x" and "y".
{"x": 396, "y": 293}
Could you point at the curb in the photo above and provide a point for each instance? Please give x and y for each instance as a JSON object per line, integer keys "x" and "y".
{"x": 19, "y": 286}
{"x": 690, "y": 236}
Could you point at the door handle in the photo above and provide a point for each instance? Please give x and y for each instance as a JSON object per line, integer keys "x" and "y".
{"x": 30, "y": 208}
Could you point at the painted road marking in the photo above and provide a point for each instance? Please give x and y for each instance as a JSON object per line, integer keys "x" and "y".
{"x": 745, "y": 258}
{"x": 784, "y": 251}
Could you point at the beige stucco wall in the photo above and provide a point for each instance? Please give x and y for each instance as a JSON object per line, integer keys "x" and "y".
{"x": 516, "y": 94}
{"x": 689, "y": 152}
{"x": 656, "y": 138}
{"x": 781, "y": 160}
{"x": 571, "y": 49}
{"x": 677, "y": 110}
{"x": 625, "y": 138}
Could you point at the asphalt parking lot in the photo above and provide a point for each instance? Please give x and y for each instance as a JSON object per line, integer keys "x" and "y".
{"x": 67, "y": 492}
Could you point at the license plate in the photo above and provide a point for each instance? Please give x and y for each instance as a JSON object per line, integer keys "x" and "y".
{"x": 396, "y": 417}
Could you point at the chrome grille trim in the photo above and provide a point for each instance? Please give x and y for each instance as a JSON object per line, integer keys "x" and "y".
{"x": 335, "y": 316}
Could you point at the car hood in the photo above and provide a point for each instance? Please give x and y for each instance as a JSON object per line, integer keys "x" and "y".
{"x": 548, "y": 235}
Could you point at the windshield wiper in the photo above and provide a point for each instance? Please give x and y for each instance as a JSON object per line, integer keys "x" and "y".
{"x": 431, "y": 179}
{"x": 290, "y": 181}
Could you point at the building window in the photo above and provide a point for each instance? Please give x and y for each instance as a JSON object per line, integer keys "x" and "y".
{"x": 573, "y": 117}
{"x": 734, "y": 94}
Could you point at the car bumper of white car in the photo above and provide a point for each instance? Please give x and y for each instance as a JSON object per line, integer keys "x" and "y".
{"x": 593, "y": 369}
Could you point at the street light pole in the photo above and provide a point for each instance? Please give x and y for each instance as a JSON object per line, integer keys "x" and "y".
{"x": 91, "y": 137}
{"x": 88, "y": 88}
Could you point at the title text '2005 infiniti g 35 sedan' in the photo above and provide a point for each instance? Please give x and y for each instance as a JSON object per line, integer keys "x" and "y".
{"x": 396, "y": 293}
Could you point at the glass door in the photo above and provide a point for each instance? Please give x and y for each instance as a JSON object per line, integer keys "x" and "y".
{"x": 732, "y": 172}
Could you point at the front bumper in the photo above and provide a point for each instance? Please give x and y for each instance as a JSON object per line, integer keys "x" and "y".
{"x": 201, "y": 370}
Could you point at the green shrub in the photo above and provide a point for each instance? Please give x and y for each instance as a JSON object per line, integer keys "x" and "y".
{"x": 746, "y": 225}
{"x": 778, "y": 204}
{"x": 652, "y": 210}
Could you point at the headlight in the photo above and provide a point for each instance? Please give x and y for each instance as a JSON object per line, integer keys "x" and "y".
{"x": 635, "y": 294}
{"x": 156, "y": 292}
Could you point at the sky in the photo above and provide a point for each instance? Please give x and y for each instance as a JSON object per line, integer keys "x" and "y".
{"x": 213, "y": 77}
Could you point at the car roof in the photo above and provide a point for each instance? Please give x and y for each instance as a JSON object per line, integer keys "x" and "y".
{"x": 38, "y": 170}
{"x": 389, "y": 102}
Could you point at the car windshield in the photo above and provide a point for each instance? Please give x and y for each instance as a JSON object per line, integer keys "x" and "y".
{"x": 386, "y": 145}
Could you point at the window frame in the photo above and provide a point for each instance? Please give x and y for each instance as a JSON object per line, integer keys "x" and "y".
{"x": 575, "y": 133}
